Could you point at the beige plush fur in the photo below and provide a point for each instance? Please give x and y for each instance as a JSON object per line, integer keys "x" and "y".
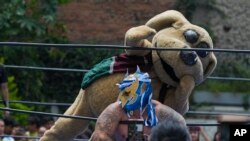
{"x": 165, "y": 30}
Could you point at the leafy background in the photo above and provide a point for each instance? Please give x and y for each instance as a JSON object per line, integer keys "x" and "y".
{"x": 36, "y": 21}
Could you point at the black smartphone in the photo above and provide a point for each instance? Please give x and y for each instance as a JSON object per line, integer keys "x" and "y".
{"x": 135, "y": 130}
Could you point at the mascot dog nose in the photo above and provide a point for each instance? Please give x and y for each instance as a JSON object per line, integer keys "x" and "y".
{"x": 188, "y": 57}
{"x": 191, "y": 36}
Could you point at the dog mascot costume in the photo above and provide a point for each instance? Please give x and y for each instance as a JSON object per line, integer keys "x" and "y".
{"x": 174, "y": 74}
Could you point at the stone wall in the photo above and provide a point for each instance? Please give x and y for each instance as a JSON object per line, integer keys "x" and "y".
{"x": 229, "y": 23}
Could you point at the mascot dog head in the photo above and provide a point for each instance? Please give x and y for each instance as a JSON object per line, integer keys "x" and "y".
{"x": 174, "y": 31}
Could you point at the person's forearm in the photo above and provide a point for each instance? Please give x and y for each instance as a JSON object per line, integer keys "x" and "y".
{"x": 5, "y": 93}
{"x": 109, "y": 119}
{"x": 163, "y": 112}
{"x": 100, "y": 137}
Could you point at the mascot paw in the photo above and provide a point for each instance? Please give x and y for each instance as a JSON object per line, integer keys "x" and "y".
{"x": 138, "y": 37}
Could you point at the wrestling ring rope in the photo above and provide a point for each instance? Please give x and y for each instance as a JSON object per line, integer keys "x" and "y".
{"x": 71, "y": 46}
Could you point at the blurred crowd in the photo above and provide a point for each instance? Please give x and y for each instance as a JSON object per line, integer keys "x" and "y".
{"x": 11, "y": 130}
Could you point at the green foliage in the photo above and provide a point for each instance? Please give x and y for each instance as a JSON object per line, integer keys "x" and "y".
{"x": 225, "y": 86}
{"x": 64, "y": 1}
{"x": 28, "y": 86}
{"x": 13, "y": 91}
{"x": 13, "y": 95}
{"x": 66, "y": 85}
{"x": 29, "y": 21}
{"x": 36, "y": 21}
{"x": 22, "y": 20}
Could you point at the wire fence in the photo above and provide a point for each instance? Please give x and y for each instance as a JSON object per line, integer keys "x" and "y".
{"x": 68, "y": 46}
{"x": 94, "y": 119}
{"x": 85, "y": 70}
{"x": 189, "y": 113}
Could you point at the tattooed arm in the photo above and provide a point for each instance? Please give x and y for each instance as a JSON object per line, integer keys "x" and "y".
{"x": 164, "y": 112}
{"x": 107, "y": 123}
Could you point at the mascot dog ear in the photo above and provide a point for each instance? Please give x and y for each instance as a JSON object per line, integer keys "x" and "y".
{"x": 167, "y": 19}
{"x": 139, "y": 36}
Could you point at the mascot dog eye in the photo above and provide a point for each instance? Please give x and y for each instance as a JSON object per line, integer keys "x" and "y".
{"x": 191, "y": 36}
{"x": 202, "y": 53}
